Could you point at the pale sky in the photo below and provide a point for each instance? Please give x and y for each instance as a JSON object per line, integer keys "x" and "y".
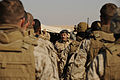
{"x": 65, "y": 12}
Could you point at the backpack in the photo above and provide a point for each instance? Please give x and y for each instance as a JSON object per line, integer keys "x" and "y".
{"x": 112, "y": 62}
{"x": 101, "y": 38}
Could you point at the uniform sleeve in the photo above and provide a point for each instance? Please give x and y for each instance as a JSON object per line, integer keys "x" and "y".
{"x": 96, "y": 69}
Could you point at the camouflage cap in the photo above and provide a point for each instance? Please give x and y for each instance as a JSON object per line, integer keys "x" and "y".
{"x": 115, "y": 23}
{"x": 82, "y": 27}
{"x": 108, "y": 10}
{"x": 11, "y": 11}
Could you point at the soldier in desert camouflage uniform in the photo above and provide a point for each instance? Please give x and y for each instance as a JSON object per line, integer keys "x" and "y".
{"x": 105, "y": 66}
{"x": 60, "y": 46}
{"x": 104, "y": 35}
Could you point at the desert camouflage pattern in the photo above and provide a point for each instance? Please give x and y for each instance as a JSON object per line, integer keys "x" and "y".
{"x": 74, "y": 68}
{"x": 45, "y": 61}
{"x": 61, "y": 45}
{"x": 45, "y": 35}
{"x": 61, "y": 55}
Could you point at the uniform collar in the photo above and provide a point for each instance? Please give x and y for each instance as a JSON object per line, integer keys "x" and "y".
{"x": 10, "y": 33}
{"x": 104, "y": 36}
{"x": 106, "y": 28}
{"x": 9, "y": 26}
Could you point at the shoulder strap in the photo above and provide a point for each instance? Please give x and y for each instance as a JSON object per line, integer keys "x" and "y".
{"x": 111, "y": 47}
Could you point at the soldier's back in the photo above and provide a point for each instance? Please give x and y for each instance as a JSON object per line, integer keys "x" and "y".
{"x": 16, "y": 54}
{"x": 46, "y": 63}
{"x": 100, "y": 39}
{"x": 112, "y": 52}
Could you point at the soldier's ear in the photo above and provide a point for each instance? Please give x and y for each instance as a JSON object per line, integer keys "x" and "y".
{"x": 26, "y": 26}
{"x": 22, "y": 21}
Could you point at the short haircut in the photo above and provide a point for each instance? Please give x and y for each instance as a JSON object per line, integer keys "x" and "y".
{"x": 30, "y": 19}
{"x": 107, "y": 11}
{"x": 37, "y": 25}
{"x": 11, "y": 11}
{"x": 26, "y": 18}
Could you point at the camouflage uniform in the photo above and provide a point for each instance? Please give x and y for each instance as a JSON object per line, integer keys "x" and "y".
{"x": 101, "y": 37}
{"x": 61, "y": 46}
{"x": 45, "y": 61}
{"x": 45, "y": 57}
{"x": 82, "y": 27}
{"x": 73, "y": 35}
{"x": 83, "y": 38}
{"x": 76, "y": 57}
{"x": 45, "y": 36}
{"x": 102, "y": 66}
{"x": 96, "y": 46}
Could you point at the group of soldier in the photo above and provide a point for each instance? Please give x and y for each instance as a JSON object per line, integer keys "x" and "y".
{"x": 27, "y": 52}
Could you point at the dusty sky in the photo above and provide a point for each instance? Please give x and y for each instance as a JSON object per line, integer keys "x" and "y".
{"x": 65, "y": 12}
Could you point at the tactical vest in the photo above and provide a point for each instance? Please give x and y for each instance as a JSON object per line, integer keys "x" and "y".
{"x": 112, "y": 64}
{"x": 101, "y": 38}
{"x": 16, "y": 55}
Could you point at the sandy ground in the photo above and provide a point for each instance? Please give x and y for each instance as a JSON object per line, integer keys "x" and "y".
{"x": 57, "y": 29}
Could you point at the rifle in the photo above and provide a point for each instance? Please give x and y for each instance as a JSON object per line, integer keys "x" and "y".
{"x": 64, "y": 74}
{"x": 88, "y": 31}
{"x": 88, "y": 22}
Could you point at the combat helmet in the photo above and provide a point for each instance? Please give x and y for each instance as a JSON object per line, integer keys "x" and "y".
{"x": 82, "y": 27}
